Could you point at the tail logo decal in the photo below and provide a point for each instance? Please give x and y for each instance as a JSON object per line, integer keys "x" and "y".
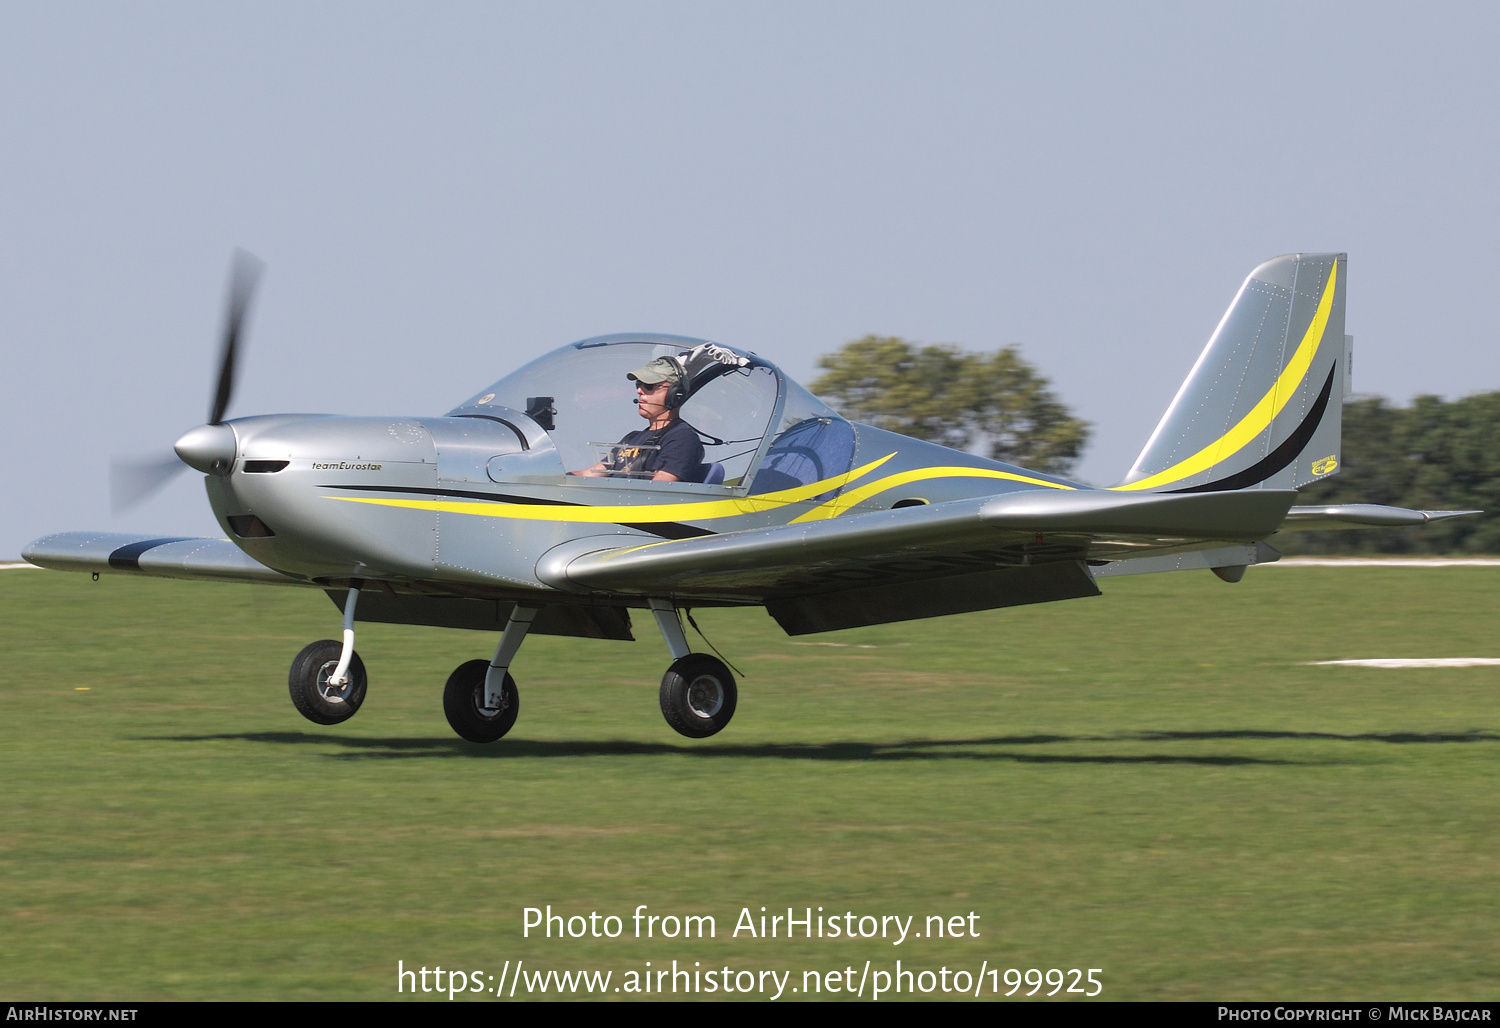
{"x": 1263, "y": 413}
{"x": 1327, "y": 466}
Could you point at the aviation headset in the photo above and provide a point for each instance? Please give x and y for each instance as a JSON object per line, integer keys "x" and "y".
{"x": 677, "y": 390}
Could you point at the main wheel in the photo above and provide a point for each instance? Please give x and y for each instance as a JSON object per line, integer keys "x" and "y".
{"x": 698, "y": 695}
{"x": 313, "y": 697}
{"x": 463, "y": 702}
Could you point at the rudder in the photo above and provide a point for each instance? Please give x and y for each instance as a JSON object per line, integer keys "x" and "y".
{"x": 1261, "y": 407}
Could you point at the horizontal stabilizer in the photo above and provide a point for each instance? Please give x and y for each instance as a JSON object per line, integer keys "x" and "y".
{"x": 156, "y": 556}
{"x": 1363, "y": 515}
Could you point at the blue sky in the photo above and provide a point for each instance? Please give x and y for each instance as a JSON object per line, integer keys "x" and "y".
{"x": 444, "y": 191}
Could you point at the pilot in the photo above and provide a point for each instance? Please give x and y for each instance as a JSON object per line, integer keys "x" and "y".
{"x": 667, "y": 449}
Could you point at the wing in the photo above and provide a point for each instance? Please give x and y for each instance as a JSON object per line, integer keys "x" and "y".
{"x": 217, "y": 560}
{"x": 920, "y": 561}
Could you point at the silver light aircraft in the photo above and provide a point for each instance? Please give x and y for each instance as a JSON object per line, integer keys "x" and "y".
{"x": 473, "y": 519}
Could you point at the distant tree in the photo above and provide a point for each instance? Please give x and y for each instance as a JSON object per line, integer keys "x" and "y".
{"x": 995, "y": 404}
{"x": 1434, "y": 455}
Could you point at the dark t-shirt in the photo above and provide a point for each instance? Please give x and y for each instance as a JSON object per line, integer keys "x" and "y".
{"x": 680, "y": 452}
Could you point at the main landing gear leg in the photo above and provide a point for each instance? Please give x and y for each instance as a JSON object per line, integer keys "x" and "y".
{"x": 698, "y": 694}
{"x": 327, "y": 681}
{"x": 481, "y": 699}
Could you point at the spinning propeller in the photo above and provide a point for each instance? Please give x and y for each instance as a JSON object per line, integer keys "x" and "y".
{"x": 207, "y": 446}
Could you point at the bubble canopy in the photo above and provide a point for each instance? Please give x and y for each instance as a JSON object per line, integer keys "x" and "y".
{"x": 737, "y": 414}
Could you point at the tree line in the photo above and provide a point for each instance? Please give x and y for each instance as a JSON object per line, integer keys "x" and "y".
{"x": 1433, "y": 455}
{"x": 995, "y": 404}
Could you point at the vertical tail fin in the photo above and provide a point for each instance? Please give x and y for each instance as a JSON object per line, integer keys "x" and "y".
{"x": 1261, "y": 408}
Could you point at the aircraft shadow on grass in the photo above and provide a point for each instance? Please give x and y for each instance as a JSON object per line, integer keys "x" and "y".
{"x": 404, "y": 747}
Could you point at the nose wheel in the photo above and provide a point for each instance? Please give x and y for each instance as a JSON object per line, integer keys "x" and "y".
{"x": 316, "y": 694}
{"x": 698, "y": 695}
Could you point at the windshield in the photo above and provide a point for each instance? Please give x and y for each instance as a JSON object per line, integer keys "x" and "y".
{"x": 812, "y": 443}
{"x": 584, "y": 394}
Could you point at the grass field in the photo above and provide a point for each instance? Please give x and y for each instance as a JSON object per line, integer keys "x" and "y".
{"x": 1152, "y": 783}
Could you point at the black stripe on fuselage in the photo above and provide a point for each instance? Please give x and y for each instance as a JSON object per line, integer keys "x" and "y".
{"x": 668, "y": 529}
{"x": 1278, "y": 458}
{"x": 661, "y": 529}
{"x": 468, "y": 494}
{"x": 128, "y": 557}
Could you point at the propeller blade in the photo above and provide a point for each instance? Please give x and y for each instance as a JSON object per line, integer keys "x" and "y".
{"x": 243, "y": 275}
{"x": 131, "y": 481}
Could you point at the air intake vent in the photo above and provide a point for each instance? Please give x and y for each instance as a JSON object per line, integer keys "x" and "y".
{"x": 263, "y": 467}
{"x": 248, "y": 526}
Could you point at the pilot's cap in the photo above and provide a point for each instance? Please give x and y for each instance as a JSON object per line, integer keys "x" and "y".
{"x": 663, "y": 369}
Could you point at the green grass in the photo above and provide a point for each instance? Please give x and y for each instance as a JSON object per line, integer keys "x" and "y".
{"x": 1151, "y": 783}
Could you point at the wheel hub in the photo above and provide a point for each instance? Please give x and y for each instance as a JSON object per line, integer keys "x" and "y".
{"x": 489, "y": 713}
{"x": 333, "y": 693}
{"x": 705, "y": 696}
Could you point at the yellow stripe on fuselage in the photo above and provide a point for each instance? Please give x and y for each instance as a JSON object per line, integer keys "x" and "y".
{"x": 633, "y": 514}
{"x": 1263, "y": 413}
{"x": 843, "y": 503}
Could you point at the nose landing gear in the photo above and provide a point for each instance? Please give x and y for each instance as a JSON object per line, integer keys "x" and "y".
{"x": 327, "y": 680}
{"x": 314, "y": 692}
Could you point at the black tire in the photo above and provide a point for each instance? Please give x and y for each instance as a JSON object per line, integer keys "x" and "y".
{"x": 698, "y": 695}
{"x": 308, "y": 684}
{"x": 463, "y": 702}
